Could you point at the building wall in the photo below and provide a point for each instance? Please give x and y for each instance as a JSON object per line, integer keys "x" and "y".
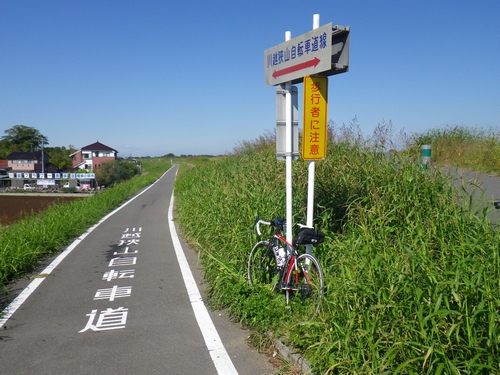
{"x": 94, "y": 163}
{"x": 103, "y": 154}
{"x": 98, "y": 162}
{"x": 22, "y": 165}
{"x": 77, "y": 158}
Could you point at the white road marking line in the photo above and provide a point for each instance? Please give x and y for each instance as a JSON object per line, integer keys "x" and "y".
{"x": 219, "y": 355}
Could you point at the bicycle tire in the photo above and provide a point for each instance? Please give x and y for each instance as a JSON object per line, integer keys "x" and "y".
{"x": 308, "y": 286}
{"x": 262, "y": 266}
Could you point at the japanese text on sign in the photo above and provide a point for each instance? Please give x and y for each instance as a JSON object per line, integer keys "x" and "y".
{"x": 314, "y": 132}
{"x": 298, "y": 49}
{"x": 307, "y": 54}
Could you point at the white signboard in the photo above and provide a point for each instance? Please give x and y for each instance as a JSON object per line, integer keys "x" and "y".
{"x": 57, "y": 176}
{"x": 307, "y": 54}
{"x": 46, "y": 182}
{"x": 323, "y": 51}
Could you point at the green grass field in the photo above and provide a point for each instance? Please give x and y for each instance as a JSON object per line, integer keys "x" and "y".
{"x": 412, "y": 270}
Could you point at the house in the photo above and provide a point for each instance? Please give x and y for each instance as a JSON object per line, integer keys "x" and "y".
{"x": 93, "y": 156}
{"x": 32, "y": 162}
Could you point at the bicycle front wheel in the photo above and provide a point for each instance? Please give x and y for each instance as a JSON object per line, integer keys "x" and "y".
{"x": 308, "y": 284}
{"x": 262, "y": 265}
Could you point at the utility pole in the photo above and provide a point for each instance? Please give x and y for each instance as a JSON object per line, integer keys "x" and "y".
{"x": 42, "y": 158}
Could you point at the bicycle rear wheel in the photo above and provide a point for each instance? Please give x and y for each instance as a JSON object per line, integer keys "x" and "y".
{"x": 262, "y": 266}
{"x": 307, "y": 285}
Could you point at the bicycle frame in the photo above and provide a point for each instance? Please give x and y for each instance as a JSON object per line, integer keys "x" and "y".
{"x": 290, "y": 263}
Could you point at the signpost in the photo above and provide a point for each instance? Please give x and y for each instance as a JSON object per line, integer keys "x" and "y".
{"x": 315, "y": 55}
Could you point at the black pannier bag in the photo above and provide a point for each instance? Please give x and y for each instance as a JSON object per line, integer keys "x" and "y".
{"x": 310, "y": 236}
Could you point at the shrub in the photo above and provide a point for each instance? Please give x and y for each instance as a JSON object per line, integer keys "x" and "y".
{"x": 116, "y": 171}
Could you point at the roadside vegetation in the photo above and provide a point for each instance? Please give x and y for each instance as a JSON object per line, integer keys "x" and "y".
{"x": 469, "y": 148}
{"x": 25, "y": 243}
{"x": 116, "y": 171}
{"x": 412, "y": 268}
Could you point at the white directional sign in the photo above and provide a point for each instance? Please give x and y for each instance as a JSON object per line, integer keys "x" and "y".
{"x": 324, "y": 51}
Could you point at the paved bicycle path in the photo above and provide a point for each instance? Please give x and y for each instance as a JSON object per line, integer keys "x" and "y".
{"x": 117, "y": 304}
{"x": 482, "y": 187}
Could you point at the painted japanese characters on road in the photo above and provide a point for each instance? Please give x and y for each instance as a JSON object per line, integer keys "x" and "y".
{"x": 111, "y": 317}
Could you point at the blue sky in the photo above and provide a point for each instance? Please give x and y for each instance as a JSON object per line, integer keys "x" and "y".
{"x": 187, "y": 77}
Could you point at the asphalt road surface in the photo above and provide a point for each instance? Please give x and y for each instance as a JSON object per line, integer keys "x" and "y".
{"x": 123, "y": 299}
{"x": 484, "y": 190}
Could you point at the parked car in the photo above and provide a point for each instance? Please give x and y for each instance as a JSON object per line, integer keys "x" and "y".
{"x": 68, "y": 186}
{"x": 29, "y": 187}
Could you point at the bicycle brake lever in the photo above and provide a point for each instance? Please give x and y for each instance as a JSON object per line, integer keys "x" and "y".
{"x": 303, "y": 226}
{"x": 256, "y": 220}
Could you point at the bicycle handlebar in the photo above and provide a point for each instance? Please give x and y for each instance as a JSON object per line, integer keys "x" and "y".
{"x": 258, "y": 222}
{"x": 273, "y": 223}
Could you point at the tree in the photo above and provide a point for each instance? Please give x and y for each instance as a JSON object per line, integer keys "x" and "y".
{"x": 22, "y": 138}
{"x": 115, "y": 171}
{"x": 4, "y": 149}
{"x": 60, "y": 156}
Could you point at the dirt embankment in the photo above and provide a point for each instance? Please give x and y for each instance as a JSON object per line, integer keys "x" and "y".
{"x": 16, "y": 207}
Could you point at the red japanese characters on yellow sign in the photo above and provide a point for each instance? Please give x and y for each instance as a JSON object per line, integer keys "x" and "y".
{"x": 314, "y": 132}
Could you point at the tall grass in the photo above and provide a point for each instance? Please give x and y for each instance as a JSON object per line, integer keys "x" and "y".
{"x": 25, "y": 243}
{"x": 412, "y": 272}
{"x": 460, "y": 146}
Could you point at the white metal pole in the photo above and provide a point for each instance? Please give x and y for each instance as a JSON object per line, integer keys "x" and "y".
{"x": 315, "y": 21}
{"x": 311, "y": 171}
{"x": 288, "y": 153}
{"x": 43, "y": 161}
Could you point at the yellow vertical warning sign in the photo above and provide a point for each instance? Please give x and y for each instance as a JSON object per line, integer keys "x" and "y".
{"x": 314, "y": 132}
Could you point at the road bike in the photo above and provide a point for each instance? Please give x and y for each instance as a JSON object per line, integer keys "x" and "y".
{"x": 276, "y": 264}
